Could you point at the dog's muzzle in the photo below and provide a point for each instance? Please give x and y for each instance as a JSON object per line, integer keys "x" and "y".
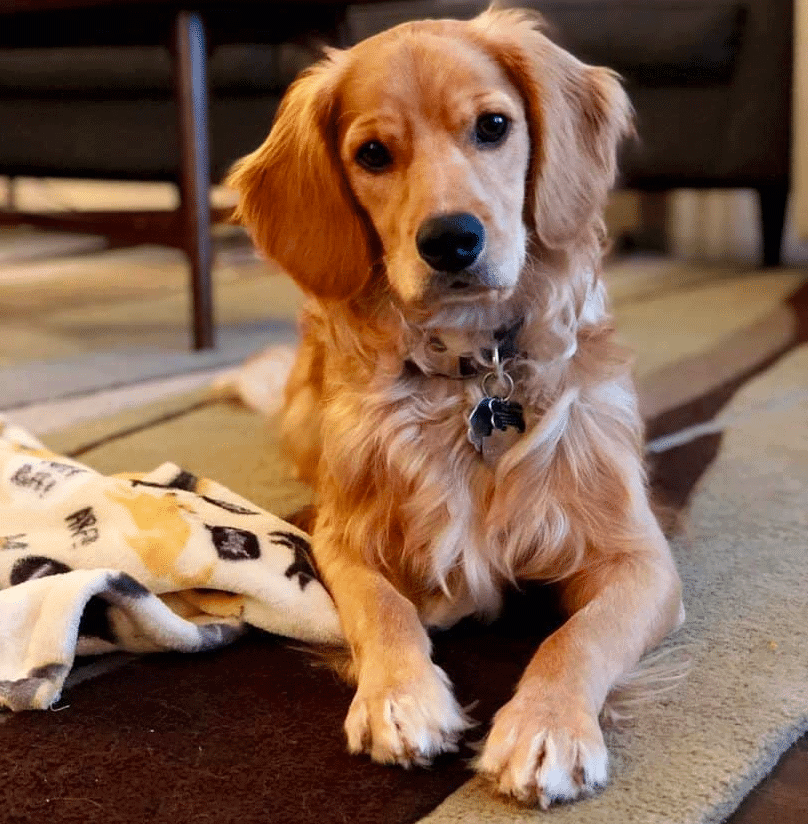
{"x": 450, "y": 244}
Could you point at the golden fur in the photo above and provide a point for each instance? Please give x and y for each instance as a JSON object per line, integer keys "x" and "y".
{"x": 415, "y": 528}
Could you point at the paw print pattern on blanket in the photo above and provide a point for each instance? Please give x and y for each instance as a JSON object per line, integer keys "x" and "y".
{"x": 166, "y": 561}
{"x": 234, "y": 544}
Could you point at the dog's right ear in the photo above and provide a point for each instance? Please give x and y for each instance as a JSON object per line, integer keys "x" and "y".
{"x": 294, "y": 198}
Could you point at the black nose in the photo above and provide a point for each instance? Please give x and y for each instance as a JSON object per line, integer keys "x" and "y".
{"x": 449, "y": 243}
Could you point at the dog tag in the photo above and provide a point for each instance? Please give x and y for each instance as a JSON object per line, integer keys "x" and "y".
{"x": 505, "y": 413}
{"x": 481, "y": 423}
{"x": 493, "y": 413}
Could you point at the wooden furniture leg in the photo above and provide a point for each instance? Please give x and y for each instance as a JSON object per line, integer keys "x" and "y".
{"x": 654, "y": 220}
{"x": 11, "y": 193}
{"x": 651, "y": 232}
{"x": 191, "y": 93}
{"x": 773, "y": 200}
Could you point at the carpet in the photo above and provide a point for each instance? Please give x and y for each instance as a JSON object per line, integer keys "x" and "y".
{"x": 252, "y": 733}
{"x": 92, "y": 318}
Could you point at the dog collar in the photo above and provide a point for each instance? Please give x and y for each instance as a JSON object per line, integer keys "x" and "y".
{"x": 485, "y": 358}
{"x": 460, "y": 356}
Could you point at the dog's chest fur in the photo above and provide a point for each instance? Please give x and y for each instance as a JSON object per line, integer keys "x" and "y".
{"x": 455, "y": 529}
{"x": 448, "y": 526}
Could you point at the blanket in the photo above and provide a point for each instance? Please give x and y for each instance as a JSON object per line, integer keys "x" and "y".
{"x": 92, "y": 564}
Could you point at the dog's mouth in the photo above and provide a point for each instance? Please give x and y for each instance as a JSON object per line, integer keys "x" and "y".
{"x": 484, "y": 309}
{"x": 458, "y": 285}
{"x": 463, "y": 286}
{"x": 486, "y": 280}
{"x": 461, "y": 291}
{"x": 428, "y": 292}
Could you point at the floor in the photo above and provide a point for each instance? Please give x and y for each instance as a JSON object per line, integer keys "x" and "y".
{"x": 87, "y": 331}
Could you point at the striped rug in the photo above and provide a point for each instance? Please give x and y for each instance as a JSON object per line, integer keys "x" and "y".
{"x": 252, "y": 733}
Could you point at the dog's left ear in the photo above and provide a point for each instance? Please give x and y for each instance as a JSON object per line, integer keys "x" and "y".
{"x": 577, "y": 116}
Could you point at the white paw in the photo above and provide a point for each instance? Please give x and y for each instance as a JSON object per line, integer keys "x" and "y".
{"x": 543, "y": 755}
{"x": 408, "y": 722}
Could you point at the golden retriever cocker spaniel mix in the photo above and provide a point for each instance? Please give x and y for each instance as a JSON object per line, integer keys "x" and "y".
{"x": 458, "y": 397}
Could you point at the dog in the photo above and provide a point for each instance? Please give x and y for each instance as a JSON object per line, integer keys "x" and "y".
{"x": 459, "y": 399}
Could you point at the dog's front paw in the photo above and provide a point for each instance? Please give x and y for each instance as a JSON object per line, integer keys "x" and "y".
{"x": 405, "y": 722}
{"x": 543, "y": 752}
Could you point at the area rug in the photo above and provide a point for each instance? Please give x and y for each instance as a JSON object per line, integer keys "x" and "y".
{"x": 252, "y": 733}
{"x": 94, "y": 318}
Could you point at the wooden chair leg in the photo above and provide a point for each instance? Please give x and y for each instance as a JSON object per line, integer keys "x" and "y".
{"x": 654, "y": 220}
{"x": 191, "y": 95}
{"x": 773, "y": 200}
{"x": 651, "y": 232}
{"x": 11, "y": 193}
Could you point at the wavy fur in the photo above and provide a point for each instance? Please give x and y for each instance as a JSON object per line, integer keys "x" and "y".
{"x": 414, "y": 528}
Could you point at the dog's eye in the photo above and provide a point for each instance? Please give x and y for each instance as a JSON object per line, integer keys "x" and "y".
{"x": 491, "y": 128}
{"x": 373, "y": 156}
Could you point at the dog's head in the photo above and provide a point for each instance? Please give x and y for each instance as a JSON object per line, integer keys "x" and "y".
{"x": 433, "y": 155}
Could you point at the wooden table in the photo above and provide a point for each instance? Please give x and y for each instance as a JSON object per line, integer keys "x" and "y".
{"x": 185, "y": 27}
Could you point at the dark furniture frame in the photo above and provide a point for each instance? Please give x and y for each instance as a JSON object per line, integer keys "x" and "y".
{"x": 182, "y": 28}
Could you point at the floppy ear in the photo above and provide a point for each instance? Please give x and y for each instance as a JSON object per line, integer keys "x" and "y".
{"x": 294, "y": 198}
{"x": 577, "y": 116}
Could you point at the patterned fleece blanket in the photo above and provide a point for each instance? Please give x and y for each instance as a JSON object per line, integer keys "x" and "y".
{"x": 140, "y": 563}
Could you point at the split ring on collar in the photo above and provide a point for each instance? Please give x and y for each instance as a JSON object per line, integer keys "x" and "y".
{"x": 500, "y": 376}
